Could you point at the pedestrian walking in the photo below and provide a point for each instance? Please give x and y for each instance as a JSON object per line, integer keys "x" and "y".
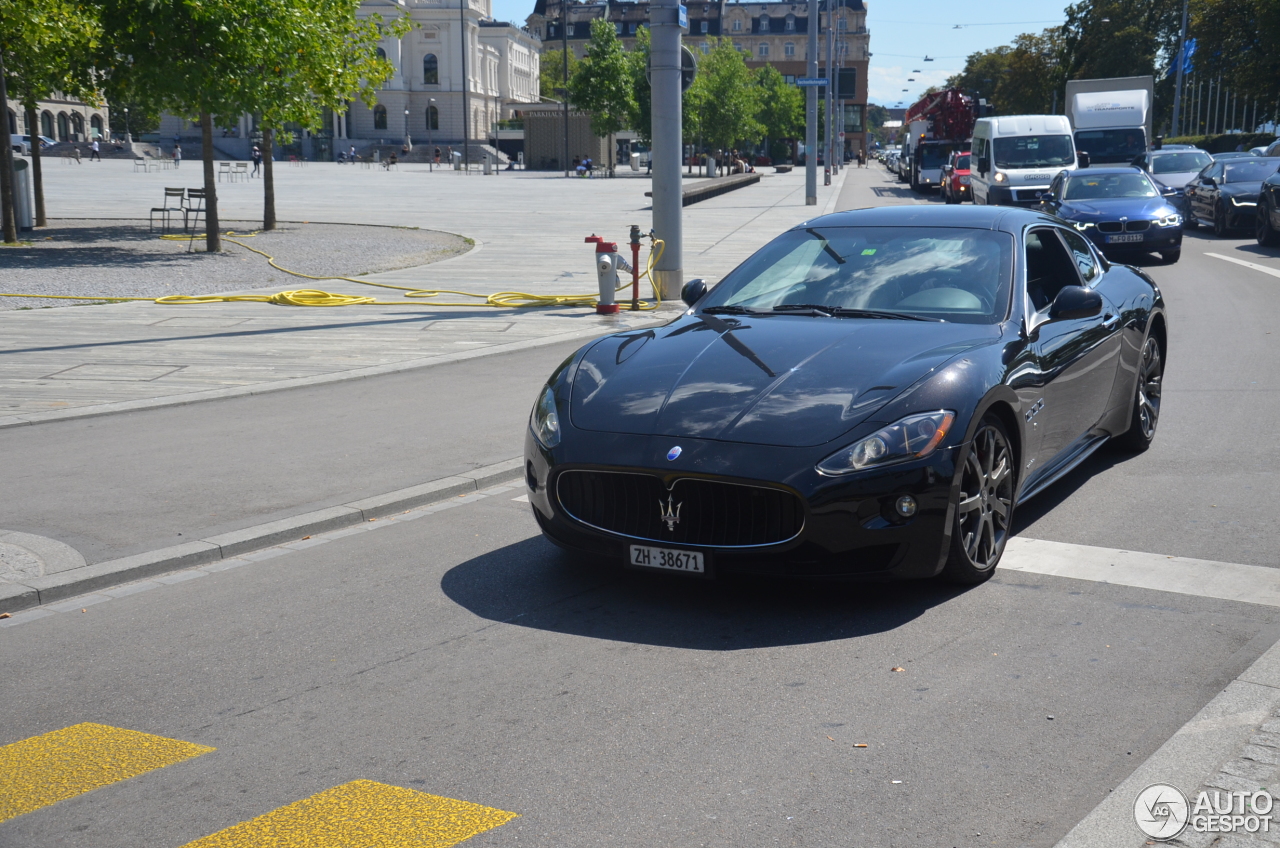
{"x": 862, "y": 158}
{"x": 257, "y": 160}
{"x": 177, "y": 155}
{"x": 449, "y": 152}
{"x": 75, "y": 150}
{"x": 437, "y": 155}
{"x": 94, "y": 152}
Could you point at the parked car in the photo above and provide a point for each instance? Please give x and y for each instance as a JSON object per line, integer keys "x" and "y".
{"x": 1225, "y": 195}
{"x": 871, "y": 394}
{"x": 1272, "y": 149}
{"x": 1258, "y": 151}
{"x": 1175, "y": 168}
{"x": 1119, "y": 209}
{"x": 1267, "y": 217}
{"x": 955, "y": 178}
{"x": 22, "y": 143}
{"x": 1233, "y": 154}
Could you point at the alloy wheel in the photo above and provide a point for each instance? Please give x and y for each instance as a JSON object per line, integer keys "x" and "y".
{"x": 986, "y": 498}
{"x": 1150, "y": 376}
{"x": 1220, "y": 220}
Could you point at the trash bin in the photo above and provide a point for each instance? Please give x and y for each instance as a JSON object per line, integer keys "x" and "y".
{"x": 635, "y": 160}
{"x": 488, "y": 162}
{"x": 457, "y": 160}
{"x": 24, "y": 195}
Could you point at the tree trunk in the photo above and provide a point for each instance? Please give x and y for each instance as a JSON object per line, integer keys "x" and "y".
{"x": 268, "y": 181}
{"x": 212, "y": 237}
{"x": 8, "y": 212}
{"x": 36, "y": 176}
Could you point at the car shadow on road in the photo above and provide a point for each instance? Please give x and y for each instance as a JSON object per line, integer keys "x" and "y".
{"x": 1041, "y": 505}
{"x": 533, "y": 584}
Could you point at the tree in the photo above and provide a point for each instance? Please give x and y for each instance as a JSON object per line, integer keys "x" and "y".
{"x": 44, "y": 47}
{"x": 781, "y": 107}
{"x": 551, "y": 76}
{"x": 641, "y": 119}
{"x": 319, "y": 55}
{"x": 1236, "y": 39}
{"x": 603, "y": 84}
{"x": 725, "y": 97}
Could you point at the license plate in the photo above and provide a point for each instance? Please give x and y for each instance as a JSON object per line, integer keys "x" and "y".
{"x": 1127, "y": 237}
{"x": 667, "y": 558}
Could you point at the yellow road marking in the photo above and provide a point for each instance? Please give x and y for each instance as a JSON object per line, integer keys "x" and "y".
{"x": 365, "y": 814}
{"x": 55, "y": 766}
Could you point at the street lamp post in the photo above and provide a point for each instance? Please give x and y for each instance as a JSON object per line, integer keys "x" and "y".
{"x": 128, "y": 138}
{"x": 408, "y": 140}
{"x": 431, "y": 154}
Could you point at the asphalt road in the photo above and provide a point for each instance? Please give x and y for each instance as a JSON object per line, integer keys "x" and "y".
{"x": 460, "y": 655}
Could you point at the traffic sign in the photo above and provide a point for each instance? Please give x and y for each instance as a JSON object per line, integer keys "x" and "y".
{"x": 688, "y": 68}
{"x": 811, "y": 81}
{"x": 683, "y": 18}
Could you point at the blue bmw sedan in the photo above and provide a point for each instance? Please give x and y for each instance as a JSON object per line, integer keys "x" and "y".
{"x": 1119, "y": 209}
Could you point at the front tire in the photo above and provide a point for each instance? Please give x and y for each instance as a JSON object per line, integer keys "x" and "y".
{"x": 1263, "y": 231}
{"x": 983, "y": 506}
{"x": 1146, "y": 402}
{"x": 1220, "y": 222}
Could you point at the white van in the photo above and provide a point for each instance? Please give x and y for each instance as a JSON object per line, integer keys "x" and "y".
{"x": 1015, "y": 157}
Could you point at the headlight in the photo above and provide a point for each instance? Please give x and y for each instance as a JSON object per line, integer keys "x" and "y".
{"x": 1000, "y": 177}
{"x": 1083, "y": 225}
{"x": 1169, "y": 221}
{"x": 964, "y": 181}
{"x": 913, "y": 437}
{"x": 1235, "y": 202}
{"x": 544, "y": 421}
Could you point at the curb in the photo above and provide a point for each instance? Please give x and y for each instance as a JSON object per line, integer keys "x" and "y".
{"x": 89, "y": 578}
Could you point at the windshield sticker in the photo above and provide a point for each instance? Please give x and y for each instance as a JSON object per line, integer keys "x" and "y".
{"x": 869, "y": 252}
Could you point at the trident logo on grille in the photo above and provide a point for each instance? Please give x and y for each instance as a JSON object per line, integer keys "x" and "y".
{"x": 669, "y": 514}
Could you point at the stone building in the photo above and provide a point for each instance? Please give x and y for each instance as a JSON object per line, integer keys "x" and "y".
{"x": 61, "y": 119}
{"x": 423, "y": 99}
{"x": 769, "y": 33}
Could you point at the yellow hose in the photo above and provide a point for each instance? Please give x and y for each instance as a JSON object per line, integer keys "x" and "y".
{"x": 315, "y": 297}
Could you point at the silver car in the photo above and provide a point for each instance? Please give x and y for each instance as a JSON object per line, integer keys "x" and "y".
{"x": 1174, "y": 169}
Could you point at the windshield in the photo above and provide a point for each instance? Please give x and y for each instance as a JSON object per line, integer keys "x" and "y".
{"x": 952, "y": 274}
{"x": 1180, "y": 163}
{"x": 1033, "y": 151}
{"x": 934, "y": 155}
{"x": 962, "y": 164}
{"x": 1112, "y": 145}
{"x": 1249, "y": 171}
{"x": 1108, "y": 186}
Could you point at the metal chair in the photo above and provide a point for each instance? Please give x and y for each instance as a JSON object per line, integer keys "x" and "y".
{"x": 170, "y": 194}
{"x": 240, "y": 170}
{"x": 224, "y": 168}
{"x": 194, "y": 208}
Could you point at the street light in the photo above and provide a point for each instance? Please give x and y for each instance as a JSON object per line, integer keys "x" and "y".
{"x": 431, "y": 156}
{"x": 128, "y": 139}
{"x": 408, "y": 142}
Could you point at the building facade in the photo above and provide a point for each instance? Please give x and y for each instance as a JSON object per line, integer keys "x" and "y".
{"x": 768, "y": 33}
{"x": 61, "y": 119}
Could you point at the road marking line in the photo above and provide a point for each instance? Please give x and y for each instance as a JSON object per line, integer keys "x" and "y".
{"x": 55, "y": 766}
{"x": 1255, "y": 266}
{"x": 522, "y": 498}
{"x": 362, "y": 813}
{"x": 1203, "y": 578}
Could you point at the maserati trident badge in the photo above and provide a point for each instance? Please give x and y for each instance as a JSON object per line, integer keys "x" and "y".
{"x": 670, "y": 514}
{"x": 673, "y": 453}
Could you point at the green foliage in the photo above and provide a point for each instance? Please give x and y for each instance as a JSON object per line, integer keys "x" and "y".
{"x": 1017, "y": 79}
{"x": 1237, "y": 40}
{"x": 725, "y": 97}
{"x": 781, "y": 105}
{"x": 1224, "y": 142}
{"x": 642, "y": 113}
{"x": 47, "y": 47}
{"x": 602, "y": 84}
{"x": 551, "y": 76}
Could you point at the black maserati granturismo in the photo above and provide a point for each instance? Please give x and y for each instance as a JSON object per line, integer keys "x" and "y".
{"x": 871, "y": 394}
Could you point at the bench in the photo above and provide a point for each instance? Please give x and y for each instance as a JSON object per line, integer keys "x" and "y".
{"x": 782, "y": 169}
{"x": 704, "y": 189}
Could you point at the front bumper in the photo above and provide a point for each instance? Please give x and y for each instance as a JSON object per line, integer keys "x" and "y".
{"x": 850, "y": 529}
{"x": 1154, "y": 240}
{"x": 1015, "y": 196}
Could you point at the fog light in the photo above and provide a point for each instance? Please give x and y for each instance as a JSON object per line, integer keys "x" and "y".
{"x": 906, "y": 506}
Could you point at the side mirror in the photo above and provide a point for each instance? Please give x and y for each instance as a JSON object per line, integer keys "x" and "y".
{"x": 693, "y": 291}
{"x": 1082, "y": 157}
{"x": 984, "y": 165}
{"x": 1045, "y": 196}
{"x": 1075, "y": 302}
{"x": 1169, "y": 191}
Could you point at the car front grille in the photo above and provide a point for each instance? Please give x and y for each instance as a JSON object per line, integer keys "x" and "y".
{"x": 705, "y": 512}
{"x": 1137, "y": 226}
{"x": 1110, "y": 227}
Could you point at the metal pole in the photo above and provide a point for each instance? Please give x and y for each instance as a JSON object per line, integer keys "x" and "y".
{"x": 1177, "y": 85}
{"x": 833, "y": 91}
{"x": 466, "y": 117}
{"x": 830, "y": 134}
{"x": 431, "y": 145}
{"x": 564, "y": 55}
{"x": 665, "y": 113}
{"x": 811, "y": 112}
{"x": 1199, "y": 104}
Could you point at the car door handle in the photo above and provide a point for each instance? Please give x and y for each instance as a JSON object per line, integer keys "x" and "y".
{"x": 1109, "y": 321}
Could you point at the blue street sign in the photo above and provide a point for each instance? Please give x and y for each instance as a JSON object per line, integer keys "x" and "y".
{"x": 684, "y": 17}
{"x": 806, "y": 81}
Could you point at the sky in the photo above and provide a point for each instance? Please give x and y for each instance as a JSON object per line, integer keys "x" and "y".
{"x": 904, "y": 33}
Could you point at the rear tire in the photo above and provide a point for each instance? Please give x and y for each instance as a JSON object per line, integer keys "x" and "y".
{"x": 1146, "y": 403}
{"x": 983, "y": 505}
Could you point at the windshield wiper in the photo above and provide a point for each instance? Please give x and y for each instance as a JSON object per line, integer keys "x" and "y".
{"x": 733, "y": 310}
{"x": 780, "y": 309}
{"x": 845, "y": 312}
{"x": 805, "y": 307}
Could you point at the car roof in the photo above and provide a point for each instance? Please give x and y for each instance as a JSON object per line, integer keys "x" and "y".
{"x": 1006, "y": 218}
{"x": 1109, "y": 171}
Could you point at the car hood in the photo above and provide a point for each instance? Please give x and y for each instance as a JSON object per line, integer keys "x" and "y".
{"x": 780, "y": 380}
{"x": 1136, "y": 208}
{"x": 1176, "y": 179}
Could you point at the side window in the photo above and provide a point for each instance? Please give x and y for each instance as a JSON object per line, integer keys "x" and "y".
{"x": 1055, "y": 187}
{"x": 1085, "y": 260}
{"x": 1049, "y": 268}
